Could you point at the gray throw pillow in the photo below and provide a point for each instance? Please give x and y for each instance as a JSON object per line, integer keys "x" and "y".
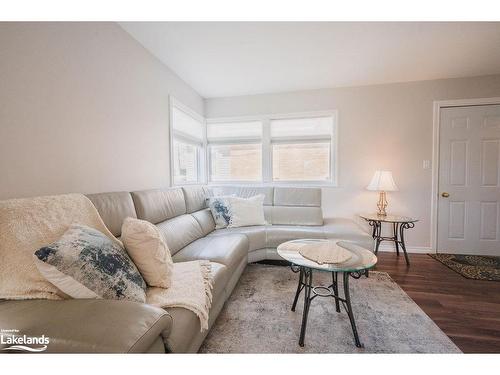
{"x": 84, "y": 263}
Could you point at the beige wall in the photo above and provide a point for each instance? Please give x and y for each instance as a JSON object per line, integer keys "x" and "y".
{"x": 83, "y": 108}
{"x": 380, "y": 127}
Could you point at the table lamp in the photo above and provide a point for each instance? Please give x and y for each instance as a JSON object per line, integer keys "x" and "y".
{"x": 382, "y": 181}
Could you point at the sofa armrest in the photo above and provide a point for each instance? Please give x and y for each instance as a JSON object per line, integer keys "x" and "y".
{"x": 87, "y": 325}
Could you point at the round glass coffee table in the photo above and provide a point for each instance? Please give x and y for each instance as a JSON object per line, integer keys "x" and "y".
{"x": 358, "y": 265}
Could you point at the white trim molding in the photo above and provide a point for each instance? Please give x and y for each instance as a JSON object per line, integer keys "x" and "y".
{"x": 437, "y": 106}
{"x": 409, "y": 249}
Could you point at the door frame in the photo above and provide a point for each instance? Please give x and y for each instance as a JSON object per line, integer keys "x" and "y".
{"x": 437, "y": 106}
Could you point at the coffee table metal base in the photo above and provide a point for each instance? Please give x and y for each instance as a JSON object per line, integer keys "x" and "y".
{"x": 311, "y": 292}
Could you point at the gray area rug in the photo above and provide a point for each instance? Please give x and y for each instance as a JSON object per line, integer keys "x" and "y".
{"x": 257, "y": 318}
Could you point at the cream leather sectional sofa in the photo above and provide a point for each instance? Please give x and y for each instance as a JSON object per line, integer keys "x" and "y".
{"x": 185, "y": 221}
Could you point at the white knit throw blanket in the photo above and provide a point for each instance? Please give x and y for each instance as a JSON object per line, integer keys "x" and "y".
{"x": 28, "y": 224}
{"x": 191, "y": 289}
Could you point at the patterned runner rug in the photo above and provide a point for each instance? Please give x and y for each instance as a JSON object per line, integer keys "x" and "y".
{"x": 478, "y": 267}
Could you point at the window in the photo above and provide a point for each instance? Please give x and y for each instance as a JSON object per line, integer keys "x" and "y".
{"x": 273, "y": 149}
{"x": 185, "y": 161}
{"x": 235, "y": 151}
{"x": 301, "y": 149}
{"x": 187, "y": 145}
{"x": 301, "y": 161}
{"x": 263, "y": 149}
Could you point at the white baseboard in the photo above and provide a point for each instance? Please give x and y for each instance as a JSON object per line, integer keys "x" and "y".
{"x": 409, "y": 249}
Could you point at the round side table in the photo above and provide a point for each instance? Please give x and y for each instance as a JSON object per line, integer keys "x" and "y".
{"x": 360, "y": 262}
{"x": 399, "y": 224}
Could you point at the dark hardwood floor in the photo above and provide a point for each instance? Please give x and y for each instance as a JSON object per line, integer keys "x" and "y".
{"x": 468, "y": 311}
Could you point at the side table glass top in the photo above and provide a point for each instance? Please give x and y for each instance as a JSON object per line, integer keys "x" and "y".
{"x": 361, "y": 258}
{"x": 389, "y": 218}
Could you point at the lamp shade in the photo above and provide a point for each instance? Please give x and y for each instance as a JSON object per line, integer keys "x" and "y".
{"x": 382, "y": 181}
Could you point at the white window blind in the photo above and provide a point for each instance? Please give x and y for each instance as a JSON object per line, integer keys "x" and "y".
{"x": 301, "y": 149}
{"x": 235, "y": 151}
{"x": 187, "y": 126}
{"x": 227, "y": 131}
{"x": 185, "y": 162}
{"x": 187, "y": 145}
{"x": 319, "y": 127}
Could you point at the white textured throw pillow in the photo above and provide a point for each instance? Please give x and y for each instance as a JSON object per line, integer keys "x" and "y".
{"x": 246, "y": 211}
{"x": 148, "y": 251}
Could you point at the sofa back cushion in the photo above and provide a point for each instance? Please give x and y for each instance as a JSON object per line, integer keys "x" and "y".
{"x": 195, "y": 197}
{"x": 288, "y": 215}
{"x": 158, "y": 205}
{"x": 205, "y": 219}
{"x": 297, "y": 196}
{"x": 296, "y": 206}
{"x": 180, "y": 231}
{"x": 114, "y": 208}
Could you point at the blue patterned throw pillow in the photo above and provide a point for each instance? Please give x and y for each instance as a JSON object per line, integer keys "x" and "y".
{"x": 84, "y": 263}
{"x": 220, "y": 209}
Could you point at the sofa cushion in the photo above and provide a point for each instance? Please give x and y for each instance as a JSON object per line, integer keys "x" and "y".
{"x": 292, "y": 196}
{"x": 186, "y": 324}
{"x": 180, "y": 231}
{"x": 288, "y": 215}
{"x": 205, "y": 219}
{"x": 228, "y": 250}
{"x": 277, "y": 234}
{"x": 195, "y": 197}
{"x": 158, "y": 205}
{"x": 256, "y": 235}
{"x": 114, "y": 208}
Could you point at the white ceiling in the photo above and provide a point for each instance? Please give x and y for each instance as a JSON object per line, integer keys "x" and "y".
{"x": 239, "y": 58}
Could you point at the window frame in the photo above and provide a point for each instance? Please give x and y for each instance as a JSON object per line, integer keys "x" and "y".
{"x": 201, "y": 145}
{"x": 267, "y": 142}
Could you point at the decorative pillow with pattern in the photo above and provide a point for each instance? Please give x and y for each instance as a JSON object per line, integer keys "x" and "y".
{"x": 219, "y": 207}
{"x": 84, "y": 263}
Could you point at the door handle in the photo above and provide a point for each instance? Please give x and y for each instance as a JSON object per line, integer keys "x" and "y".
{"x": 445, "y": 194}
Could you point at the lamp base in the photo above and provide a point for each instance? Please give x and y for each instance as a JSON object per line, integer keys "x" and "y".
{"x": 382, "y": 204}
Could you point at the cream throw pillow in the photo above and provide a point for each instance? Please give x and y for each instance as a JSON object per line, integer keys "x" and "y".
{"x": 149, "y": 252}
{"x": 246, "y": 211}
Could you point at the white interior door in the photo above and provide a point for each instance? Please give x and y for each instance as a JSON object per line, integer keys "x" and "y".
{"x": 469, "y": 171}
